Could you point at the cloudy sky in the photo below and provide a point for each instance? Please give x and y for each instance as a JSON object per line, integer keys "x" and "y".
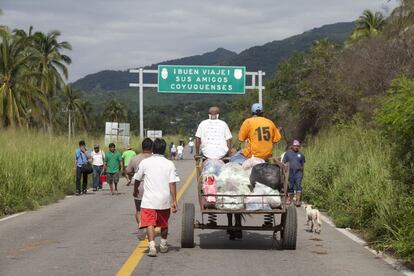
{"x": 120, "y": 34}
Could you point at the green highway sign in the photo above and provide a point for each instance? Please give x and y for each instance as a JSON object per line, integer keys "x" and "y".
{"x": 201, "y": 79}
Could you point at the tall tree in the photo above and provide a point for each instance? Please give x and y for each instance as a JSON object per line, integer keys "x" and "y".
{"x": 72, "y": 104}
{"x": 17, "y": 96}
{"x": 368, "y": 24}
{"x": 52, "y": 65}
{"x": 115, "y": 111}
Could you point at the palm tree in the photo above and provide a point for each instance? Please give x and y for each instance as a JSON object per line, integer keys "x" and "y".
{"x": 83, "y": 115}
{"x": 72, "y": 104}
{"x": 115, "y": 111}
{"x": 17, "y": 96}
{"x": 368, "y": 24}
{"x": 52, "y": 65}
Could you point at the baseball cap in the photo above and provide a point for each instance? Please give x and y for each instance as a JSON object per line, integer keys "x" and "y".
{"x": 95, "y": 146}
{"x": 256, "y": 107}
{"x": 129, "y": 146}
{"x": 296, "y": 143}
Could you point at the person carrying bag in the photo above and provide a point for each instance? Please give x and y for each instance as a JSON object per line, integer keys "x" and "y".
{"x": 86, "y": 166}
{"x": 82, "y": 167}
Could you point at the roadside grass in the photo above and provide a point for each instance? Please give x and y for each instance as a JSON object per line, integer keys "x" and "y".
{"x": 37, "y": 169}
{"x": 347, "y": 174}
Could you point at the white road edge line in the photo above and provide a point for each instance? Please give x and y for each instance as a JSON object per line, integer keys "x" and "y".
{"x": 12, "y": 216}
{"x": 396, "y": 264}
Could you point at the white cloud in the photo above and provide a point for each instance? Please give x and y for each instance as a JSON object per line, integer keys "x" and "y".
{"x": 121, "y": 34}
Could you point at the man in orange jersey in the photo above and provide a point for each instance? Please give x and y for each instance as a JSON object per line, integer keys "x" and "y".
{"x": 260, "y": 134}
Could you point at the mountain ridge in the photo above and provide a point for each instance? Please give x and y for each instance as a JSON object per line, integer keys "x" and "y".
{"x": 264, "y": 57}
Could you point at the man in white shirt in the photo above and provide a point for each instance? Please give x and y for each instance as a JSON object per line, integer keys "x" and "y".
{"x": 180, "y": 151}
{"x": 213, "y": 136}
{"x": 98, "y": 157}
{"x": 191, "y": 145}
{"x": 159, "y": 178}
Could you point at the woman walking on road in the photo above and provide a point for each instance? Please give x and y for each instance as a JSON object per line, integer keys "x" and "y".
{"x": 98, "y": 158}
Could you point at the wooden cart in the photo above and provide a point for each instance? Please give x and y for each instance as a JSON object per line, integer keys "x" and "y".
{"x": 285, "y": 233}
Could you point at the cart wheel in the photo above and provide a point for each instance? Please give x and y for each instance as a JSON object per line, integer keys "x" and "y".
{"x": 187, "y": 227}
{"x": 290, "y": 228}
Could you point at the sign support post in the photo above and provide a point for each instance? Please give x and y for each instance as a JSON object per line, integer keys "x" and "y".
{"x": 260, "y": 87}
{"x": 141, "y": 103}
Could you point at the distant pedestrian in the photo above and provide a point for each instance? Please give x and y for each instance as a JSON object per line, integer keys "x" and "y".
{"x": 180, "y": 151}
{"x": 296, "y": 161}
{"x": 173, "y": 151}
{"x": 98, "y": 159}
{"x": 113, "y": 165}
{"x": 159, "y": 177}
{"x": 82, "y": 157}
{"x": 139, "y": 189}
{"x": 191, "y": 145}
{"x": 126, "y": 158}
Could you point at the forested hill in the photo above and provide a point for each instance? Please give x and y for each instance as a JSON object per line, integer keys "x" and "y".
{"x": 265, "y": 57}
{"x": 115, "y": 80}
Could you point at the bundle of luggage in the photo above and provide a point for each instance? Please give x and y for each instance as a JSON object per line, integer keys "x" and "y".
{"x": 254, "y": 185}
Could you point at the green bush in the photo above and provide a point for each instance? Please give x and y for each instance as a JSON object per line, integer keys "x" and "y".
{"x": 347, "y": 174}
{"x": 396, "y": 119}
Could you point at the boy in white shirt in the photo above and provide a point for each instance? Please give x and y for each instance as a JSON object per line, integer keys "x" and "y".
{"x": 159, "y": 177}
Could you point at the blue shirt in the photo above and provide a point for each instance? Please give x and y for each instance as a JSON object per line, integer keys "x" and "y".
{"x": 81, "y": 158}
{"x": 296, "y": 160}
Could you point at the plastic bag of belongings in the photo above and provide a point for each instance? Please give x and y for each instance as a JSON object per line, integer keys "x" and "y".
{"x": 267, "y": 174}
{"x": 211, "y": 170}
{"x": 250, "y": 163}
{"x": 234, "y": 182}
{"x": 263, "y": 198}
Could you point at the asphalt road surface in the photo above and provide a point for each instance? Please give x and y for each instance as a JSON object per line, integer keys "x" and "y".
{"x": 95, "y": 234}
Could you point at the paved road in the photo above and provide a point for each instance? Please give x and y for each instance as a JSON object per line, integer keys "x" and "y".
{"x": 95, "y": 234}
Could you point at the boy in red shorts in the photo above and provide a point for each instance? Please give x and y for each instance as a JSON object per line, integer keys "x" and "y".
{"x": 159, "y": 178}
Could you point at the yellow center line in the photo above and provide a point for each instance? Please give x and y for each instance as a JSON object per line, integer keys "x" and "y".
{"x": 136, "y": 256}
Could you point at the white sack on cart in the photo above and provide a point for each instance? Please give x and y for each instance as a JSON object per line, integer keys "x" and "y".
{"x": 255, "y": 203}
{"x": 273, "y": 201}
{"x": 229, "y": 203}
{"x": 251, "y": 162}
{"x": 212, "y": 166}
{"x": 233, "y": 179}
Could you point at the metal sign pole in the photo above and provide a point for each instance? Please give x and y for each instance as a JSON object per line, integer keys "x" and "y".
{"x": 260, "y": 73}
{"x": 141, "y": 103}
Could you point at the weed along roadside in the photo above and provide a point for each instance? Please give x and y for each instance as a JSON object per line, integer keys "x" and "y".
{"x": 348, "y": 176}
{"x": 37, "y": 169}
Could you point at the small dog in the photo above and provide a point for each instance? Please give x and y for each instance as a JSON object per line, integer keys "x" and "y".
{"x": 313, "y": 216}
